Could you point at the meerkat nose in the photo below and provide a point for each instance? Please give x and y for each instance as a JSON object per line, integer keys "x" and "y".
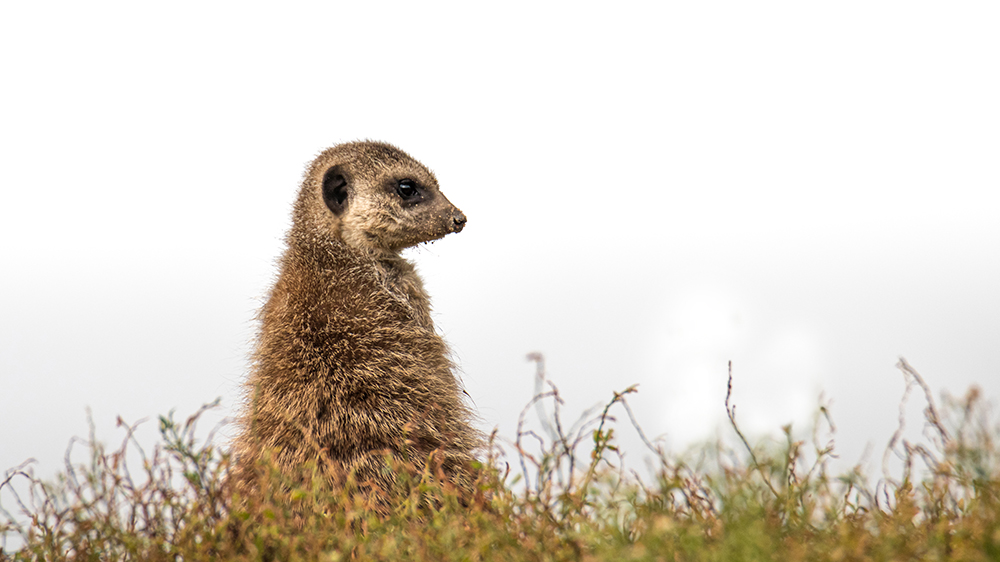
{"x": 459, "y": 219}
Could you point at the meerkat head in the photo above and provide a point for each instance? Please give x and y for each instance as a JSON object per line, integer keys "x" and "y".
{"x": 375, "y": 197}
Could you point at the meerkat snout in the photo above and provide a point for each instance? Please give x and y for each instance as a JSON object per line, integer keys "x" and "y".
{"x": 459, "y": 220}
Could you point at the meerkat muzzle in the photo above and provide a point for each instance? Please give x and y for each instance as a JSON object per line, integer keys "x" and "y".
{"x": 458, "y": 221}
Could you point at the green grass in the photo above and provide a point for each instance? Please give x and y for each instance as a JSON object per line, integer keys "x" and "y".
{"x": 565, "y": 498}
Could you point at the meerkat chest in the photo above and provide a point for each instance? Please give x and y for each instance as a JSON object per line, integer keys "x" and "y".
{"x": 402, "y": 282}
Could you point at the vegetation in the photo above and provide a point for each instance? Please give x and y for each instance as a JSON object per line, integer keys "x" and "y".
{"x": 563, "y": 496}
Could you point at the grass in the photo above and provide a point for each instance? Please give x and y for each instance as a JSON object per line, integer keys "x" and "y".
{"x": 562, "y": 496}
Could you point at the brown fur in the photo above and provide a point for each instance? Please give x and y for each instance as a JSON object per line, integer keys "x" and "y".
{"x": 348, "y": 366}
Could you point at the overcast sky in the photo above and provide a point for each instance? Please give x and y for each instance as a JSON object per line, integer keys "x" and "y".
{"x": 809, "y": 190}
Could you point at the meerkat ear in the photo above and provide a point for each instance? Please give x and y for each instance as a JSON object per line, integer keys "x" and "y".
{"x": 335, "y": 190}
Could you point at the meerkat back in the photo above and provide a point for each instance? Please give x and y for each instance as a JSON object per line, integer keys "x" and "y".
{"x": 347, "y": 366}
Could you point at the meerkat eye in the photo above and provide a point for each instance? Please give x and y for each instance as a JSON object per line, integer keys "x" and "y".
{"x": 407, "y": 189}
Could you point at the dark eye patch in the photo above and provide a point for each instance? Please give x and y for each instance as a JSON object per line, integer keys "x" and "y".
{"x": 408, "y": 190}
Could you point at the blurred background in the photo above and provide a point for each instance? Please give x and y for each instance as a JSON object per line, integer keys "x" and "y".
{"x": 653, "y": 190}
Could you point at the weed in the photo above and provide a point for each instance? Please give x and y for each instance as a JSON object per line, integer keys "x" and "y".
{"x": 568, "y": 498}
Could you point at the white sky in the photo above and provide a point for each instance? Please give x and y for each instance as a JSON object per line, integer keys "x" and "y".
{"x": 653, "y": 189}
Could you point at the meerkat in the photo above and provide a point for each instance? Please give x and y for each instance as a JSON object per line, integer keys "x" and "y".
{"x": 348, "y": 366}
